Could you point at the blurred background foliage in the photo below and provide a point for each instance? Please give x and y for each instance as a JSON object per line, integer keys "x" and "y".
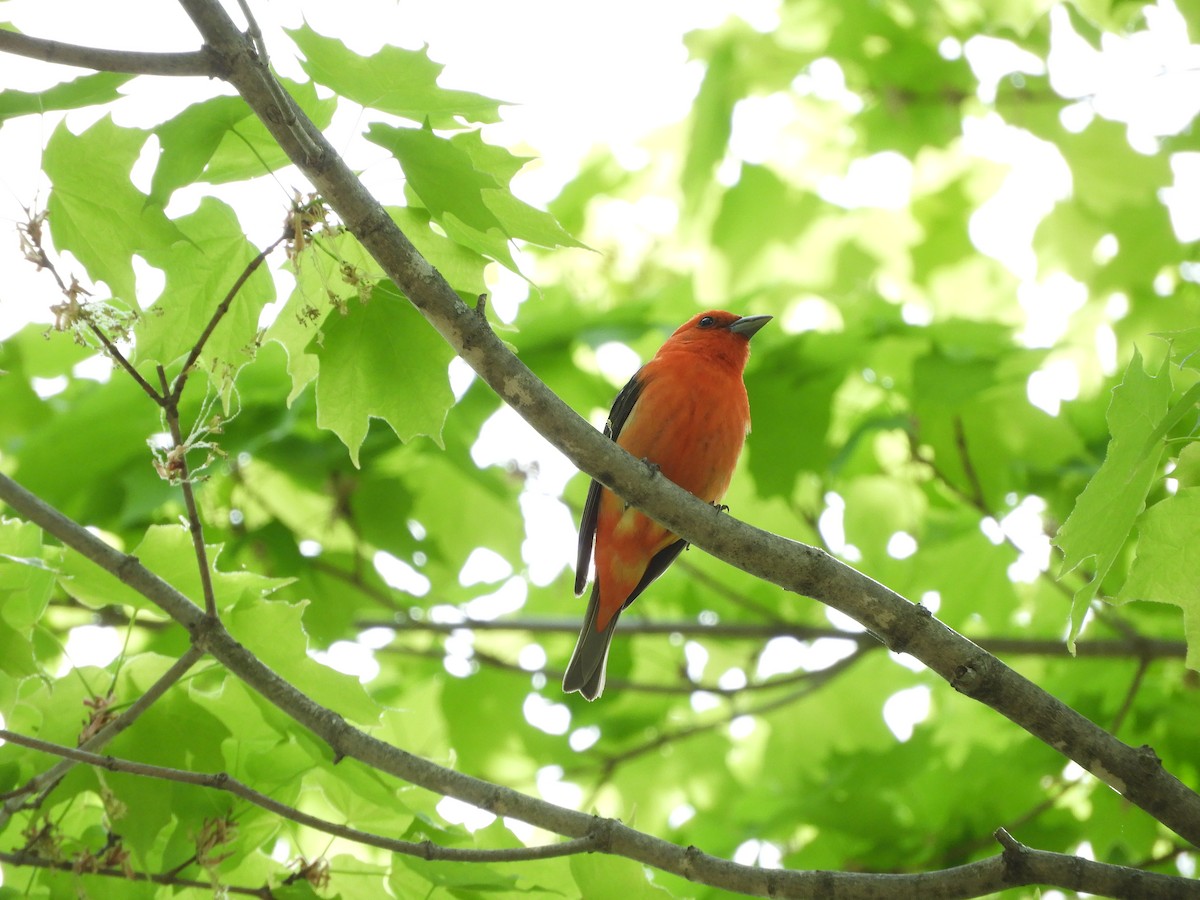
{"x": 971, "y": 224}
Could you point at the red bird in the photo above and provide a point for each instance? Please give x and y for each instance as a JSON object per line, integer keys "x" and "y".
{"x": 685, "y": 412}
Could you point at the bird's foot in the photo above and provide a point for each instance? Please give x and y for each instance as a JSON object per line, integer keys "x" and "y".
{"x": 654, "y": 467}
{"x": 720, "y": 507}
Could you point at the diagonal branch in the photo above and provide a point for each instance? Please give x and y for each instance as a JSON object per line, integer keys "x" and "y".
{"x": 222, "y": 781}
{"x": 195, "y": 62}
{"x": 903, "y": 626}
{"x": 1015, "y": 867}
{"x": 219, "y": 313}
{"x": 28, "y": 859}
{"x": 177, "y": 467}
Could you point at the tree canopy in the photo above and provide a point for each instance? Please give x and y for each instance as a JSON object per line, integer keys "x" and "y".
{"x": 943, "y": 644}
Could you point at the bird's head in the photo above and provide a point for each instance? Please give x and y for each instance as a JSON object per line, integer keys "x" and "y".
{"x": 717, "y": 333}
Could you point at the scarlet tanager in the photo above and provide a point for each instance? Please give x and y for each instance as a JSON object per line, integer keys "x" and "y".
{"x": 686, "y": 413}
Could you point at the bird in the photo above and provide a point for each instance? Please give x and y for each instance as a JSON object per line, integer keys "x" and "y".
{"x": 685, "y": 413}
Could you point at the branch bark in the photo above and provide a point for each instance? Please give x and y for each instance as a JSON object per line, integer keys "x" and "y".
{"x": 196, "y": 62}
{"x": 903, "y": 626}
{"x": 222, "y": 781}
{"x": 1012, "y": 868}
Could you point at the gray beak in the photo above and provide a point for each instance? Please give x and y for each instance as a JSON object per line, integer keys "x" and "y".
{"x": 749, "y": 325}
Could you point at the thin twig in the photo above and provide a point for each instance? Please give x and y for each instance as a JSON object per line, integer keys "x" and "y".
{"x": 218, "y": 314}
{"x": 179, "y": 462}
{"x": 813, "y": 682}
{"x": 254, "y": 33}
{"x": 1140, "y": 648}
{"x": 978, "y": 498}
{"x": 222, "y": 781}
{"x": 31, "y": 243}
{"x": 1127, "y": 703}
{"x": 686, "y": 688}
{"x": 40, "y": 862}
{"x": 1137, "y": 648}
{"x": 119, "y": 358}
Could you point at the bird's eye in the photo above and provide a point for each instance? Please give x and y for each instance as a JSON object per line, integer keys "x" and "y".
{"x": 707, "y": 322}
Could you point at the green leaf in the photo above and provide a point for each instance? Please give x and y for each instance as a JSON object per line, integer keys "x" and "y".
{"x": 712, "y": 123}
{"x": 473, "y": 204}
{"x": 382, "y": 360}
{"x": 462, "y": 267}
{"x": 25, "y": 577}
{"x": 94, "y": 209}
{"x": 201, "y": 270}
{"x": 1164, "y": 569}
{"x": 441, "y": 173}
{"x": 332, "y": 271}
{"x": 600, "y": 876}
{"x": 273, "y": 631}
{"x": 16, "y": 653}
{"x": 782, "y": 382}
{"x": 1104, "y": 172}
{"x": 188, "y": 141}
{"x": 476, "y": 878}
{"x": 178, "y": 731}
{"x": 40, "y": 352}
{"x": 486, "y": 512}
{"x": 394, "y": 80}
{"x": 525, "y": 222}
{"x": 1103, "y": 517}
{"x": 87, "y": 90}
{"x": 247, "y": 149}
{"x": 167, "y": 551}
{"x": 328, "y": 273}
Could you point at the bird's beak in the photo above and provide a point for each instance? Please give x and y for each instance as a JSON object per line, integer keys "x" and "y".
{"x": 749, "y": 325}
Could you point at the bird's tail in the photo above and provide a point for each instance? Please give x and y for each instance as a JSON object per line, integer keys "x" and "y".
{"x": 585, "y": 671}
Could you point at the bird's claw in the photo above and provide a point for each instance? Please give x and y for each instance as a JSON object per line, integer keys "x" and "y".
{"x": 720, "y": 507}
{"x": 654, "y": 467}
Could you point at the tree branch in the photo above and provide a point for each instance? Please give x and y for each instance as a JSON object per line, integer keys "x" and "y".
{"x": 1011, "y": 869}
{"x": 41, "y": 862}
{"x": 195, "y": 62}
{"x": 903, "y": 626}
{"x": 222, "y": 781}
{"x": 1130, "y": 648}
{"x": 219, "y": 313}
{"x": 177, "y": 468}
{"x": 813, "y": 682}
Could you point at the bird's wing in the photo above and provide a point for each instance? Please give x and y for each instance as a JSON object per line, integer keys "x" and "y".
{"x": 621, "y": 409}
{"x": 658, "y": 564}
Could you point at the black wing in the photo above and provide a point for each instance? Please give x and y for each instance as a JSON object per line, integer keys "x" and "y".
{"x": 621, "y": 409}
{"x": 658, "y": 564}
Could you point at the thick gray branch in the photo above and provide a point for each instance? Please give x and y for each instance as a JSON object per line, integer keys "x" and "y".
{"x": 221, "y": 781}
{"x": 902, "y": 626}
{"x": 196, "y": 62}
{"x": 1015, "y": 867}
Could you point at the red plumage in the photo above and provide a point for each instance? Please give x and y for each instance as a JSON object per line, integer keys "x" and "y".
{"x": 686, "y": 412}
